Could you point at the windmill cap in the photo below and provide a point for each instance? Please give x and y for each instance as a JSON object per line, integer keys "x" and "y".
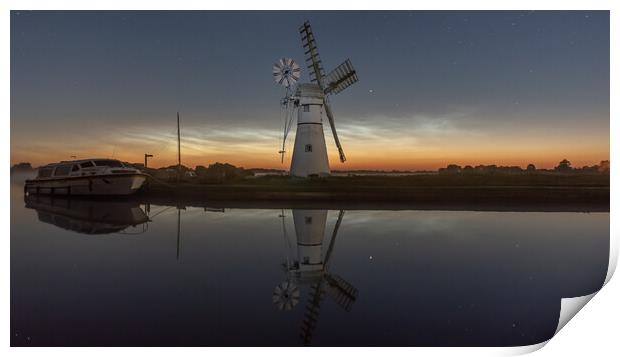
{"x": 309, "y": 90}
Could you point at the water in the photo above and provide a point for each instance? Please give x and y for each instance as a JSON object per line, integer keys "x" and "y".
{"x": 81, "y": 274}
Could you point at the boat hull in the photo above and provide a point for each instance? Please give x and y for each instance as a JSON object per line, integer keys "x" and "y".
{"x": 96, "y": 185}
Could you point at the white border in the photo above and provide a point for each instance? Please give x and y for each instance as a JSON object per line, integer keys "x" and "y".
{"x": 594, "y": 330}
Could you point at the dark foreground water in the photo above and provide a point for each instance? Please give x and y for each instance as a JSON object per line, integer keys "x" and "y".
{"x": 97, "y": 273}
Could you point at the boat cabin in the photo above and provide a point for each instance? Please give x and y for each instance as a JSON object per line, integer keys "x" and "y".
{"x": 82, "y": 168}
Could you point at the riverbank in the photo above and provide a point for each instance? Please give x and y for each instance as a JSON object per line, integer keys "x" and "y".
{"x": 496, "y": 192}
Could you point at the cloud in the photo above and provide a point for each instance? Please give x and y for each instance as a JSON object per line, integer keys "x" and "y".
{"x": 410, "y": 130}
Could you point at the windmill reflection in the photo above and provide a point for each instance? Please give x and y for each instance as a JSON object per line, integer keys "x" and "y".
{"x": 310, "y": 267}
{"x": 89, "y": 216}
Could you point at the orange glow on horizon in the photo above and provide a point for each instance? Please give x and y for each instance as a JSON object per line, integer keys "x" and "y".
{"x": 356, "y": 160}
{"x": 366, "y": 147}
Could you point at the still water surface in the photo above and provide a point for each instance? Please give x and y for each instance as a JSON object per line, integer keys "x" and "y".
{"x": 100, "y": 273}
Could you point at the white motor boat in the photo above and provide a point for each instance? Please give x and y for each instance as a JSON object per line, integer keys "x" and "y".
{"x": 86, "y": 177}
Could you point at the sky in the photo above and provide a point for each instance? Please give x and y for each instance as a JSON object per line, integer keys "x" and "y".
{"x": 435, "y": 87}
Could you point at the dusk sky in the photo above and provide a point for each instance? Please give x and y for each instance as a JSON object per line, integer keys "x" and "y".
{"x": 435, "y": 88}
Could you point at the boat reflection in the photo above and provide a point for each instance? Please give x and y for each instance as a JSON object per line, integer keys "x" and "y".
{"x": 309, "y": 266}
{"x": 89, "y": 216}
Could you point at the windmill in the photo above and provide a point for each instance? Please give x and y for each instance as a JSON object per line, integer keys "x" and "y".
{"x": 310, "y": 100}
{"x": 311, "y": 269}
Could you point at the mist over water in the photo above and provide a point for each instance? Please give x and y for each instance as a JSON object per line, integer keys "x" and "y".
{"x": 110, "y": 273}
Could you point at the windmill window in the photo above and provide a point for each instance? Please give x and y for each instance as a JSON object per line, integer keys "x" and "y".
{"x": 306, "y": 260}
{"x": 308, "y": 147}
{"x": 308, "y": 220}
{"x": 306, "y": 107}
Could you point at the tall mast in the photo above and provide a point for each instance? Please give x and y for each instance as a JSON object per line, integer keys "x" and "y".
{"x": 178, "y": 147}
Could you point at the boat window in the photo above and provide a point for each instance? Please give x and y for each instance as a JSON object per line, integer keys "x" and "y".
{"x": 45, "y": 172}
{"x": 109, "y": 163}
{"x": 75, "y": 168}
{"x": 62, "y": 170}
{"x": 86, "y": 164}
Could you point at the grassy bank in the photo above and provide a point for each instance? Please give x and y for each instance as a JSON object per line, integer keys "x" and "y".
{"x": 591, "y": 192}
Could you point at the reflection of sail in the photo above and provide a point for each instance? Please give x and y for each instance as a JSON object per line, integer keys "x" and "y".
{"x": 87, "y": 216}
{"x": 311, "y": 268}
{"x": 341, "y": 291}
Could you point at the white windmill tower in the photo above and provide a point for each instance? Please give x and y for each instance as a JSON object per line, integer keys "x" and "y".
{"x": 310, "y": 101}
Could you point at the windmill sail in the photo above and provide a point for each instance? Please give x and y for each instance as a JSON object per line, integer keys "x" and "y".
{"x": 332, "y": 124}
{"x": 312, "y": 54}
{"x": 340, "y": 78}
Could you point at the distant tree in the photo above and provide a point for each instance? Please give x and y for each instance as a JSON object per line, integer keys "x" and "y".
{"x": 531, "y": 168}
{"x": 589, "y": 169}
{"x": 22, "y": 166}
{"x": 603, "y": 166}
{"x": 201, "y": 171}
{"x": 468, "y": 169}
{"x": 453, "y": 168}
{"x": 177, "y": 168}
{"x": 219, "y": 172}
{"x": 563, "y": 166}
{"x": 480, "y": 168}
{"x": 510, "y": 169}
